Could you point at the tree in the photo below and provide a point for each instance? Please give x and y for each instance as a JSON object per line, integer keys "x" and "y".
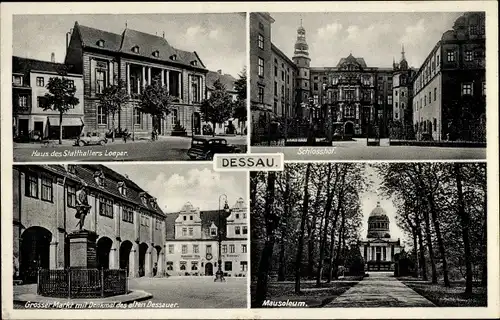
{"x": 217, "y": 108}
{"x": 155, "y": 100}
{"x": 240, "y": 105}
{"x": 60, "y": 98}
{"x": 305, "y": 209}
{"x": 112, "y": 99}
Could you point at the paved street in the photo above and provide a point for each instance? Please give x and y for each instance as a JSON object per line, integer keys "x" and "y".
{"x": 166, "y": 148}
{"x": 358, "y": 150}
{"x": 195, "y": 292}
{"x": 379, "y": 289}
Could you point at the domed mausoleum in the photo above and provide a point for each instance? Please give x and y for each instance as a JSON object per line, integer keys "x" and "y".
{"x": 378, "y": 249}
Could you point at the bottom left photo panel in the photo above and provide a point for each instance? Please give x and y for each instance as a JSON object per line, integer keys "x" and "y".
{"x": 150, "y": 235}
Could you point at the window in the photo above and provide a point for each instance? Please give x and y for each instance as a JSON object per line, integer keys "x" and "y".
{"x": 237, "y": 230}
{"x": 450, "y": 56}
{"x": 128, "y": 214}
{"x": 231, "y": 248}
{"x": 23, "y": 101}
{"x": 275, "y": 88}
{"x": 184, "y": 218}
{"x": 389, "y": 100}
{"x": 41, "y": 102}
{"x": 435, "y": 93}
{"x": 243, "y": 266}
{"x": 261, "y": 95}
{"x": 135, "y": 49}
{"x": 170, "y": 265}
{"x": 46, "y": 189}
{"x": 484, "y": 88}
{"x": 106, "y": 207}
{"x": 194, "y": 265}
{"x": 71, "y": 196}
{"x": 190, "y": 230}
{"x": 170, "y": 248}
{"x": 156, "y": 54}
{"x": 245, "y": 230}
{"x": 261, "y": 41}
{"x": 396, "y": 93}
{"x": 437, "y": 60}
{"x": 184, "y": 249}
{"x": 435, "y": 124}
{"x": 71, "y": 83}
{"x": 100, "y": 43}
{"x": 467, "y": 88}
{"x": 430, "y": 97}
{"x": 196, "y": 89}
{"x": 228, "y": 265}
{"x": 191, "y": 218}
{"x": 315, "y": 86}
{"x": 402, "y": 93}
{"x": 182, "y": 265}
{"x": 196, "y": 248}
{"x": 261, "y": 67}
{"x": 100, "y": 80}
{"x": 468, "y": 56}
{"x": 17, "y": 80}
{"x": 184, "y": 232}
{"x": 31, "y": 185}
{"x": 224, "y": 248}
{"x": 209, "y": 248}
{"x": 137, "y": 117}
{"x": 473, "y": 29}
{"x": 158, "y": 224}
{"x": 243, "y": 248}
{"x": 40, "y": 82}
{"x": 174, "y": 116}
{"x": 173, "y": 57}
{"x": 213, "y": 231}
{"x": 102, "y": 118}
{"x": 261, "y": 26}
{"x": 282, "y": 75}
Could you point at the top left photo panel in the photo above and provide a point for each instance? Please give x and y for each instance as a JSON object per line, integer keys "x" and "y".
{"x": 121, "y": 87}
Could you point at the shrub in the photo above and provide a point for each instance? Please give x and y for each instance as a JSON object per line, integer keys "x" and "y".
{"x": 178, "y": 130}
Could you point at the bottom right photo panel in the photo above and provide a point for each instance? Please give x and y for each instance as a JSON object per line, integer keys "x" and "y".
{"x": 359, "y": 235}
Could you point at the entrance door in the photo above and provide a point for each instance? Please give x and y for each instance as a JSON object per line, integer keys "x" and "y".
{"x": 209, "y": 269}
{"x": 35, "y": 252}
{"x": 197, "y": 123}
{"x": 349, "y": 128}
{"x": 23, "y": 127}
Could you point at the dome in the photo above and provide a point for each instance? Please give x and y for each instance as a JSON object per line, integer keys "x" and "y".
{"x": 378, "y": 211}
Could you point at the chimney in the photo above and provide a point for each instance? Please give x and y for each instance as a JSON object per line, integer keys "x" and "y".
{"x": 163, "y": 34}
{"x": 219, "y": 71}
{"x": 52, "y": 57}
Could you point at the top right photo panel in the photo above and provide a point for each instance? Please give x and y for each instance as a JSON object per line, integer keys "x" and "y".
{"x": 368, "y": 86}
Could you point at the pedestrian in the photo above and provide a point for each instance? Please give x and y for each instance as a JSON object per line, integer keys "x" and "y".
{"x": 155, "y": 269}
{"x": 125, "y": 135}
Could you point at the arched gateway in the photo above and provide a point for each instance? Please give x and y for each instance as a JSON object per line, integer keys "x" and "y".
{"x": 35, "y": 253}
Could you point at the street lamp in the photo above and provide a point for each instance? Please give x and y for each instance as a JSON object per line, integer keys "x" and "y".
{"x": 219, "y": 275}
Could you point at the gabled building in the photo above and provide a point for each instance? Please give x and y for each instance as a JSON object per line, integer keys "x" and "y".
{"x": 29, "y": 81}
{"x": 128, "y": 221}
{"x": 136, "y": 58}
{"x": 192, "y": 241}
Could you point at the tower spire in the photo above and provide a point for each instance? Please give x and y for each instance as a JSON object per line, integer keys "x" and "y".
{"x": 301, "y": 22}
{"x": 402, "y": 52}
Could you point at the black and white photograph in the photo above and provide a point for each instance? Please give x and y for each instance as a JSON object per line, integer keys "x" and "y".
{"x": 118, "y": 87}
{"x": 368, "y": 86}
{"x": 129, "y": 236}
{"x": 357, "y": 235}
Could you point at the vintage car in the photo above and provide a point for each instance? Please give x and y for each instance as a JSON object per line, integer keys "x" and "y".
{"x": 204, "y": 148}
{"x": 91, "y": 138}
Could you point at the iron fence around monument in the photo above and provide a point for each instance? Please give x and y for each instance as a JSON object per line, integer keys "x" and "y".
{"x": 82, "y": 283}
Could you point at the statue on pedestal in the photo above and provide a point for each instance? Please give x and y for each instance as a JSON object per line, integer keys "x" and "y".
{"x": 82, "y": 205}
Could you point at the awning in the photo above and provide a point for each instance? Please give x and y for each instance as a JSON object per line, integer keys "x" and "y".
{"x": 68, "y": 122}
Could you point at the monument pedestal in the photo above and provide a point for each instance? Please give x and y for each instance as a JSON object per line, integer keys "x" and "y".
{"x": 82, "y": 249}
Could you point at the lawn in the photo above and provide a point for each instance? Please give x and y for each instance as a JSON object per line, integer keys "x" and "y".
{"x": 309, "y": 292}
{"x": 449, "y": 297}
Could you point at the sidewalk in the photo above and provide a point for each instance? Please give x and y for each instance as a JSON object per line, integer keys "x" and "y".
{"x": 379, "y": 289}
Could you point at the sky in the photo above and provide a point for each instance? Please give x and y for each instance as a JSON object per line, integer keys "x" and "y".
{"x": 175, "y": 184}
{"x": 369, "y": 202}
{"x": 219, "y": 39}
{"x": 376, "y": 37}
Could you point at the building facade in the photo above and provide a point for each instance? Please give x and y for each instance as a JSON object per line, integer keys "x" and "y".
{"x": 192, "y": 241}
{"x": 29, "y": 86}
{"x": 378, "y": 249}
{"x": 129, "y": 224}
{"x": 136, "y": 58}
{"x": 449, "y": 89}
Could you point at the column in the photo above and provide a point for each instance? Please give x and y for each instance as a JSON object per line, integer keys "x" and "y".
{"x": 162, "y": 77}
{"x": 148, "y": 262}
{"x": 111, "y": 74}
{"x": 53, "y": 255}
{"x": 161, "y": 263}
{"x": 190, "y": 98}
{"x": 128, "y": 78}
{"x": 149, "y": 75}
{"x": 133, "y": 261}
{"x": 180, "y": 85}
{"x": 143, "y": 76}
{"x": 114, "y": 262}
{"x": 116, "y": 219}
{"x": 167, "y": 80}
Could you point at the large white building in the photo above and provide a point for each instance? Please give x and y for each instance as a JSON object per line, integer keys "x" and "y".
{"x": 192, "y": 241}
{"x": 378, "y": 249}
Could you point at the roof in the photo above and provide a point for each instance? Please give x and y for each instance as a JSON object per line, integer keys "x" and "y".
{"x": 351, "y": 59}
{"x": 85, "y": 173}
{"x": 277, "y": 50}
{"x": 146, "y": 42}
{"x": 227, "y": 80}
{"x": 25, "y": 65}
{"x": 207, "y": 218}
{"x": 378, "y": 211}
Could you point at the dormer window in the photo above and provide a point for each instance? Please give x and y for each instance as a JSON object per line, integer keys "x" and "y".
{"x": 173, "y": 57}
{"x": 122, "y": 188}
{"x": 237, "y": 216}
{"x": 100, "y": 43}
{"x": 72, "y": 168}
{"x": 135, "y": 49}
{"x": 156, "y": 54}
{"x": 213, "y": 231}
{"x": 99, "y": 178}
{"x": 194, "y": 63}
